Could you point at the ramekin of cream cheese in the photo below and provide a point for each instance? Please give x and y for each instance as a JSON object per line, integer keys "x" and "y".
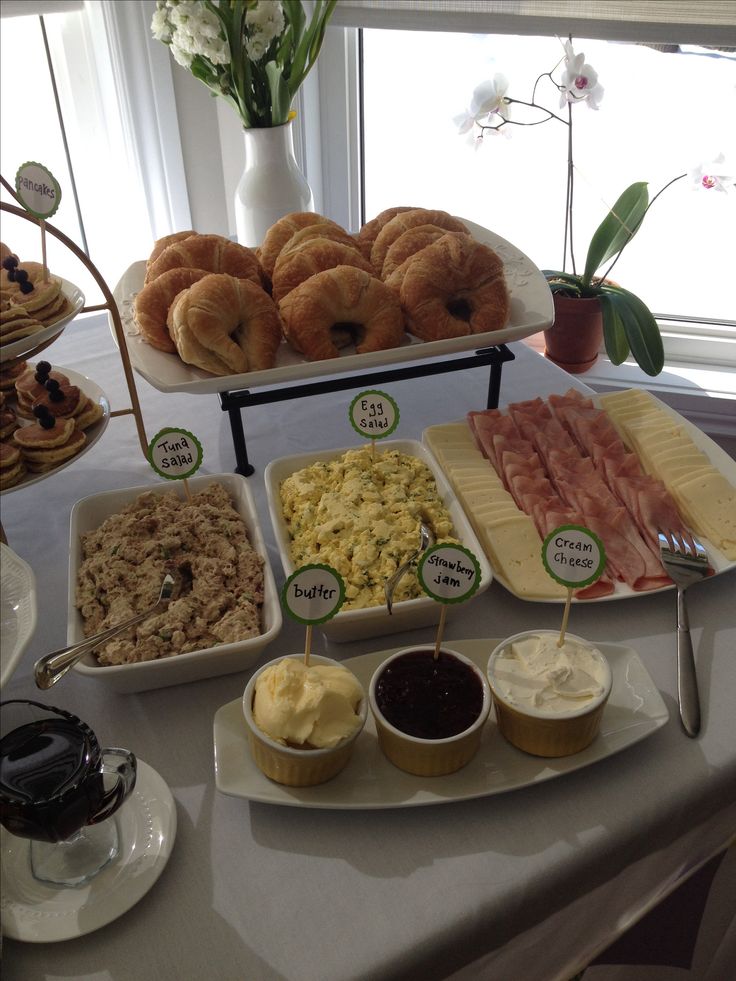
{"x": 549, "y": 698}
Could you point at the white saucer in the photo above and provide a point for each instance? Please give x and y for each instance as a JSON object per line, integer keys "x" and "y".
{"x": 40, "y": 913}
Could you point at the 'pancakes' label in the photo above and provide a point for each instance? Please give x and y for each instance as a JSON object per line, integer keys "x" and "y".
{"x": 38, "y": 189}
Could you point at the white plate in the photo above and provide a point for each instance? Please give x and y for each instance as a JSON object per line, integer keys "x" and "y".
{"x": 18, "y": 606}
{"x": 39, "y": 913}
{"x": 719, "y": 562}
{"x": 26, "y": 345}
{"x": 531, "y": 310}
{"x": 408, "y": 614}
{"x": 634, "y": 711}
{"x": 89, "y": 513}
{"x": 95, "y": 393}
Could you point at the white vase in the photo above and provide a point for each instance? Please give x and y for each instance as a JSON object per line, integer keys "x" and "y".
{"x": 272, "y": 184}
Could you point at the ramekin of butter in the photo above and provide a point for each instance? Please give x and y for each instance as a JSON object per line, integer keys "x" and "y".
{"x": 302, "y": 720}
{"x": 548, "y": 700}
{"x": 429, "y": 712}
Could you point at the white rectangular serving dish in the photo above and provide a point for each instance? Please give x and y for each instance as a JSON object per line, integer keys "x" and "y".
{"x": 89, "y": 513}
{"x": 718, "y": 561}
{"x": 530, "y": 311}
{"x": 408, "y": 614}
{"x": 634, "y": 711}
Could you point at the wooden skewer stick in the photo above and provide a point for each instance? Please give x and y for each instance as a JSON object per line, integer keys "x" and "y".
{"x": 307, "y": 644}
{"x": 440, "y": 632}
{"x": 565, "y": 617}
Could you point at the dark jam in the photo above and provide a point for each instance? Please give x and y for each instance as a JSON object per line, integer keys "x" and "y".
{"x": 46, "y": 789}
{"x": 428, "y": 698}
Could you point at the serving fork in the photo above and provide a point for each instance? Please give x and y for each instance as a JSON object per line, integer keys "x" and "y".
{"x": 686, "y": 561}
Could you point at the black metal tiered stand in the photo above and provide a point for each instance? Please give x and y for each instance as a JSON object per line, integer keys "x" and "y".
{"x": 234, "y": 402}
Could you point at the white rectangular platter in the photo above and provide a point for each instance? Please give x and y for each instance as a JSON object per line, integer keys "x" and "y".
{"x": 719, "y": 562}
{"x": 531, "y": 310}
{"x": 634, "y": 711}
{"x": 407, "y": 614}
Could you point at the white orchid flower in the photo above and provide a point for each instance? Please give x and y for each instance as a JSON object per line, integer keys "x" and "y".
{"x": 488, "y": 98}
{"x": 160, "y": 27}
{"x": 267, "y": 17}
{"x": 713, "y": 175}
{"x": 182, "y": 57}
{"x": 579, "y": 81}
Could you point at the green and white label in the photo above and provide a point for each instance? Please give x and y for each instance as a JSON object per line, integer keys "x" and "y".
{"x": 38, "y": 189}
{"x": 573, "y": 556}
{"x": 374, "y": 414}
{"x": 313, "y": 594}
{"x": 175, "y": 453}
{"x": 449, "y": 573}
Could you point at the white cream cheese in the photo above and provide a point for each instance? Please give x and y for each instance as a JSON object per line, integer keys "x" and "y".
{"x": 533, "y": 672}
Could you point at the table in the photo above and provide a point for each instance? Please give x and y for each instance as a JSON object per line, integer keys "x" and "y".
{"x": 526, "y": 884}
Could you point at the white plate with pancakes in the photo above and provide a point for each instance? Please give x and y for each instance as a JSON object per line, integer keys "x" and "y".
{"x": 93, "y": 433}
{"x": 26, "y": 345}
{"x": 531, "y": 311}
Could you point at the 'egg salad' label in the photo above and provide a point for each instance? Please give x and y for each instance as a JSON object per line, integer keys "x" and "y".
{"x": 374, "y": 414}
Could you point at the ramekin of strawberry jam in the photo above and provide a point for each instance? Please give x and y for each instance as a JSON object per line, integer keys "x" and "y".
{"x": 429, "y": 711}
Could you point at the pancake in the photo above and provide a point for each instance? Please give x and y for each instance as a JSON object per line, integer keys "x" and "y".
{"x": 8, "y": 422}
{"x": 12, "y": 467}
{"x": 40, "y": 460}
{"x": 91, "y": 414}
{"x": 37, "y": 437}
{"x": 10, "y": 373}
{"x": 63, "y": 401}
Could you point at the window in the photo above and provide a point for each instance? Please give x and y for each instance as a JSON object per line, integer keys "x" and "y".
{"x": 95, "y": 145}
{"x": 662, "y": 113}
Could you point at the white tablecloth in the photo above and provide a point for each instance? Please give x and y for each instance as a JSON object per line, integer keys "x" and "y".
{"x": 525, "y": 884}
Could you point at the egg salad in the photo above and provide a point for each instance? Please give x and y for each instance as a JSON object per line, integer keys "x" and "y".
{"x": 360, "y": 513}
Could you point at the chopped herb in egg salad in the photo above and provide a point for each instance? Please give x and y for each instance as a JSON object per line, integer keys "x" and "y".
{"x": 361, "y": 515}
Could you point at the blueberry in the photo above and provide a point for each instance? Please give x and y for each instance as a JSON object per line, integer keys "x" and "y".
{"x": 43, "y": 367}
{"x": 40, "y": 411}
{"x": 47, "y": 422}
{"x": 10, "y": 262}
{"x": 11, "y": 274}
{"x": 21, "y": 275}
{"x": 55, "y": 395}
{"x": 26, "y": 288}
{"x": 52, "y": 385}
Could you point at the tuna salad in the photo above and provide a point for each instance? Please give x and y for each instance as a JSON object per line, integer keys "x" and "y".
{"x": 203, "y": 543}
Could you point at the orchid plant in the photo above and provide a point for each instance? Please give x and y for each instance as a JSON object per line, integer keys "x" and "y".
{"x": 628, "y": 324}
{"x": 255, "y": 54}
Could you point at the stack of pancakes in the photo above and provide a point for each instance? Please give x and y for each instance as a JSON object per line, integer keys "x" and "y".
{"x": 30, "y": 298}
{"x": 60, "y": 413}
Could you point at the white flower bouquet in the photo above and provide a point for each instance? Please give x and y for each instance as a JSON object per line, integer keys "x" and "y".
{"x": 255, "y": 54}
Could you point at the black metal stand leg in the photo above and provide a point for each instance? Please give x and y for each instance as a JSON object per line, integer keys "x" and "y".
{"x": 243, "y": 465}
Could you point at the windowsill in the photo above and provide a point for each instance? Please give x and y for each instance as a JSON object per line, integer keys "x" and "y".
{"x": 704, "y": 394}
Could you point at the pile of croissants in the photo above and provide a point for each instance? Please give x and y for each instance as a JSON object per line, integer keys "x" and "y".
{"x": 227, "y": 309}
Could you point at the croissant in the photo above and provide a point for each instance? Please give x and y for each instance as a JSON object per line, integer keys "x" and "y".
{"x": 405, "y": 220}
{"x": 407, "y": 244}
{"x": 281, "y": 231}
{"x": 368, "y": 232}
{"x": 324, "y": 230}
{"x": 214, "y": 253}
{"x": 151, "y": 305}
{"x": 162, "y": 243}
{"x": 338, "y": 305}
{"x": 315, "y": 255}
{"x": 225, "y": 325}
{"x": 453, "y": 288}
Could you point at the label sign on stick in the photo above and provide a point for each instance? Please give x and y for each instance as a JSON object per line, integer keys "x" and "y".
{"x": 573, "y": 556}
{"x": 449, "y": 573}
{"x": 374, "y": 414}
{"x": 38, "y": 189}
{"x": 175, "y": 453}
{"x": 313, "y": 594}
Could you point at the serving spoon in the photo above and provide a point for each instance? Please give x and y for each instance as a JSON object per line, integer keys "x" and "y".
{"x": 51, "y": 667}
{"x": 426, "y": 540}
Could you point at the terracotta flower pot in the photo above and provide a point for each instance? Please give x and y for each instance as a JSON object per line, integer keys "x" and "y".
{"x": 575, "y": 338}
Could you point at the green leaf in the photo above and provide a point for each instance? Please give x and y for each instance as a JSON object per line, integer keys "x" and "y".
{"x": 641, "y": 329}
{"x": 617, "y": 228}
{"x": 280, "y": 95}
{"x": 614, "y": 331}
